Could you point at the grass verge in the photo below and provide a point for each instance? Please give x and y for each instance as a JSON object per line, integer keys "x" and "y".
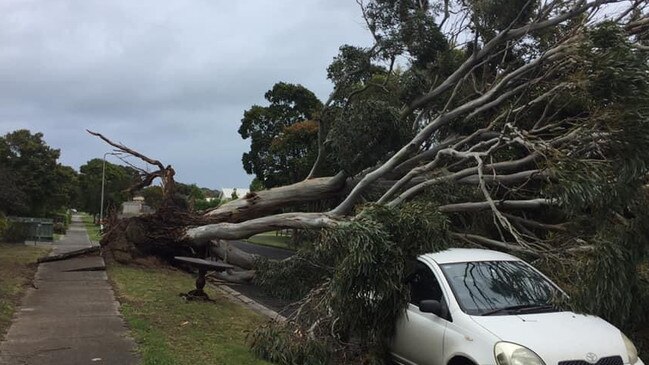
{"x": 17, "y": 268}
{"x": 170, "y": 330}
{"x": 93, "y": 229}
{"x": 272, "y": 240}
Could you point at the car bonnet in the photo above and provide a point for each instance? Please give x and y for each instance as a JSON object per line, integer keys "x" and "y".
{"x": 558, "y": 336}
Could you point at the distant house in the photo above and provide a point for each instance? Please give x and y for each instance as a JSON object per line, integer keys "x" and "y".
{"x": 135, "y": 207}
{"x": 240, "y": 192}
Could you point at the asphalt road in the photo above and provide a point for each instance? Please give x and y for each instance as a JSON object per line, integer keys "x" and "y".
{"x": 254, "y": 292}
{"x": 272, "y": 253}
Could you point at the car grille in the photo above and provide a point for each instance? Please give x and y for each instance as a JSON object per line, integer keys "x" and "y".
{"x": 610, "y": 360}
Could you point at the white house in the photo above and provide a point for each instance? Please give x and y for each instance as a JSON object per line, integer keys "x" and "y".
{"x": 227, "y": 192}
{"x": 135, "y": 207}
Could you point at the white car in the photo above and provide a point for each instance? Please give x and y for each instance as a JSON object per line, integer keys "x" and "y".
{"x": 482, "y": 307}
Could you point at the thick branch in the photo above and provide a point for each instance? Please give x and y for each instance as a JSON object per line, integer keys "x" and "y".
{"x": 488, "y": 242}
{"x": 430, "y": 154}
{"x": 129, "y": 151}
{"x": 502, "y": 37}
{"x": 232, "y": 255}
{"x": 259, "y": 203}
{"x": 505, "y": 179}
{"x": 166, "y": 174}
{"x": 534, "y": 224}
{"x": 233, "y": 231}
{"x": 239, "y": 277}
{"x": 439, "y": 122}
{"x": 507, "y": 204}
{"x": 494, "y": 168}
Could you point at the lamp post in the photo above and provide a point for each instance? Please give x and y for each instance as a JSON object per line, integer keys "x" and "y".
{"x": 103, "y": 183}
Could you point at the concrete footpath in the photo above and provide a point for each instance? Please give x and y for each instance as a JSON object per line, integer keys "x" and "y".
{"x": 71, "y": 317}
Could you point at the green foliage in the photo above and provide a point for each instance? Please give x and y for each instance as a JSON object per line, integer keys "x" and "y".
{"x": 256, "y": 185}
{"x": 615, "y": 81}
{"x": 407, "y": 26}
{"x": 283, "y": 146}
{"x": 91, "y": 227}
{"x": 4, "y": 224}
{"x": 153, "y": 196}
{"x": 12, "y": 199}
{"x": 13, "y": 232}
{"x": 190, "y": 191}
{"x": 365, "y": 133}
{"x": 492, "y": 16}
{"x": 356, "y": 272}
{"x": 33, "y": 182}
{"x": 352, "y": 66}
{"x": 613, "y": 287}
{"x": 118, "y": 179}
{"x": 59, "y": 228}
{"x": 309, "y": 267}
{"x": 276, "y": 344}
{"x": 203, "y": 204}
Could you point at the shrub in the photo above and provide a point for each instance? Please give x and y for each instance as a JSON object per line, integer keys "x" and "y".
{"x": 3, "y": 225}
{"x": 59, "y": 228}
{"x": 13, "y": 232}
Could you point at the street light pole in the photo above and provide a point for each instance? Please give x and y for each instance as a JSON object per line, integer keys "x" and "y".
{"x": 103, "y": 183}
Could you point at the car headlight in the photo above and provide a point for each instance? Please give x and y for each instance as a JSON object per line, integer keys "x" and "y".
{"x": 630, "y": 349}
{"x": 508, "y": 353}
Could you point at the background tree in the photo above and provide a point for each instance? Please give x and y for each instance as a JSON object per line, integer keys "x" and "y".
{"x": 13, "y": 200}
{"x": 190, "y": 191}
{"x": 34, "y": 183}
{"x": 118, "y": 180}
{"x": 256, "y": 185}
{"x": 153, "y": 196}
{"x": 283, "y": 137}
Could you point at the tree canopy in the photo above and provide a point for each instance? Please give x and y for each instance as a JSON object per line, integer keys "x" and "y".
{"x": 34, "y": 183}
{"x": 283, "y": 135}
{"x": 118, "y": 180}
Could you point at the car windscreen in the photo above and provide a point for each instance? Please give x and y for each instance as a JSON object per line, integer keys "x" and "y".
{"x": 499, "y": 287}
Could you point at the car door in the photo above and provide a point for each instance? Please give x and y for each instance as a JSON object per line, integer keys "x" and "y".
{"x": 419, "y": 337}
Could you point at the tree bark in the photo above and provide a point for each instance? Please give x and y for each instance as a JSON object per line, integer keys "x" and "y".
{"x": 256, "y": 204}
{"x": 233, "y": 231}
{"x": 233, "y": 255}
{"x": 507, "y": 204}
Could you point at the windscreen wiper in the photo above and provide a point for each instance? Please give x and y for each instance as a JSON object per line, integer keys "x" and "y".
{"x": 515, "y": 309}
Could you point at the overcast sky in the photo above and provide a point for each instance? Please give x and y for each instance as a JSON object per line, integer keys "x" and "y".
{"x": 170, "y": 78}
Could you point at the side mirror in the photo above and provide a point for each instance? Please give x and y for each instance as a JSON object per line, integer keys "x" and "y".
{"x": 431, "y": 306}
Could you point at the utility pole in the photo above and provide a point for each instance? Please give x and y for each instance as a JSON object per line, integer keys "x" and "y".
{"x": 103, "y": 183}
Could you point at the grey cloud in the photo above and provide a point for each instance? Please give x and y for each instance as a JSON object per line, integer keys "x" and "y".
{"x": 170, "y": 78}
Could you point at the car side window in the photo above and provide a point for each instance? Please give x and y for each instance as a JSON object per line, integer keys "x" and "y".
{"x": 424, "y": 285}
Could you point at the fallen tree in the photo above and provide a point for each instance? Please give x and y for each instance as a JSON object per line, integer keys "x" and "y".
{"x": 524, "y": 129}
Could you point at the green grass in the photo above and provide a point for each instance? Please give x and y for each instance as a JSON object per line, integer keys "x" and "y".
{"x": 93, "y": 229}
{"x": 170, "y": 330}
{"x": 272, "y": 240}
{"x": 17, "y": 267}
